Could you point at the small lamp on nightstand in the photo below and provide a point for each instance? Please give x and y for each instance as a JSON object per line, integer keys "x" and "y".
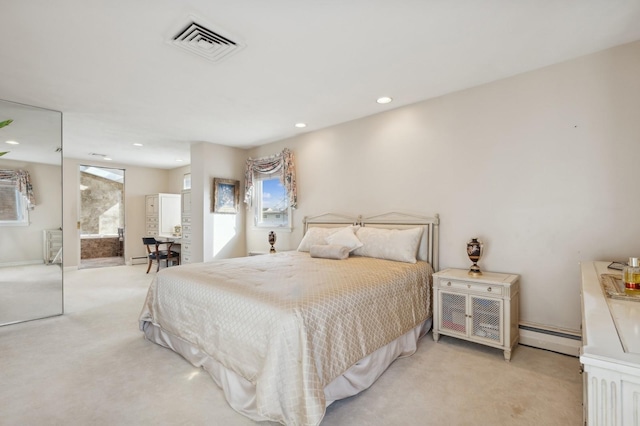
{"x": 474, "y": 251}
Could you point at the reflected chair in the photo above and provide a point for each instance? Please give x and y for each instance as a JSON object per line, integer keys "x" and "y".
{"x": 157, "y": 251}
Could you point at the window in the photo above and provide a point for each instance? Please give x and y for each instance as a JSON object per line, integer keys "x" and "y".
{"x": 271, "y": 203}
{"x": 270, "y": 187}
{"x": 13, "y": 206}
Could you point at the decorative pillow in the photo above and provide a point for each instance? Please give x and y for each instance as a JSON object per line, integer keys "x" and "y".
{"x": 317, "y": 236}
{"x": 329, "y": 251}
{"x": 391, "y": 244}
{"x": 345, "y": 237}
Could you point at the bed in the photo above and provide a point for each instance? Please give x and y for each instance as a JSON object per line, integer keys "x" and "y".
{"x": 286, "y": 334}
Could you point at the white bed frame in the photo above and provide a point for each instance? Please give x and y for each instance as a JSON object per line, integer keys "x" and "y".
{"x": 428, "y": 250}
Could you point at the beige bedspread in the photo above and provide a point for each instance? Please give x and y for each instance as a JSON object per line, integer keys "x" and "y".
{"x": 289, "y": 323}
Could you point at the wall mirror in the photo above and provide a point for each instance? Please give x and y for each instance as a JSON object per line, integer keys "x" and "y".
{"x": 31, "y": 273}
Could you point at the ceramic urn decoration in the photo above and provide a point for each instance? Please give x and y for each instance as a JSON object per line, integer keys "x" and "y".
{"x": 474, "y": 251}
{"x": 272, "y": 241}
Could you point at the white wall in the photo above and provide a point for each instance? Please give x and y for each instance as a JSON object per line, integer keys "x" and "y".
{"x": 176, "y": 177}
{"x": 138, "y": 182}
{"x": 19, "y": 244}
{"x": 542, "y": 167}
{"x": 215, "y": 236}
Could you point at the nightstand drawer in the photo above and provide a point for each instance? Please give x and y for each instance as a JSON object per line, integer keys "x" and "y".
{"x": 471, "y": 287}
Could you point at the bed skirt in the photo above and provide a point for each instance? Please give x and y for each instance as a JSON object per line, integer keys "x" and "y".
{"x": 241, "y": 394}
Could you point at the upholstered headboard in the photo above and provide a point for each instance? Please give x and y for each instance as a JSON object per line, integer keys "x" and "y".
{"x": 428, "y": 249}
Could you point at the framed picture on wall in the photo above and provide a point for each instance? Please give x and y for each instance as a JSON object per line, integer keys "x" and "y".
{"x": 226, "y": 195}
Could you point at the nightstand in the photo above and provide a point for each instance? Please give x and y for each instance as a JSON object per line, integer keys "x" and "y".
{"x": 481, "y": 309}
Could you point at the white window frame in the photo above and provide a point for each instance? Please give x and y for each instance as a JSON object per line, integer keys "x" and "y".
{"x": 257, "y": 203}
{"x": 22, "y": 212}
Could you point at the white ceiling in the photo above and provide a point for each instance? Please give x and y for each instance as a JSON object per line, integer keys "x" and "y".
{"x": 107, "y": 65}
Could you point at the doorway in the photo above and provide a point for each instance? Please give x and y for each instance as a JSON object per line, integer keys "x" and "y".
{"x": 101, "y": 217}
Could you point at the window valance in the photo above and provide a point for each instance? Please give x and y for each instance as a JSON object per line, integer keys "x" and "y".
{"x": 22, "y": 181}
{"x": 281, "y": 164}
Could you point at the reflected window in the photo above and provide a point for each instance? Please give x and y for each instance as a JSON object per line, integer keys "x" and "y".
{"x": 13, "y": 206}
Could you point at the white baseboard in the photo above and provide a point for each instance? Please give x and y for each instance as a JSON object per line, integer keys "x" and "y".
{"x": 551, "y": 340}
{"x": 23, "y": 263}
{"x": 138, "y": 260}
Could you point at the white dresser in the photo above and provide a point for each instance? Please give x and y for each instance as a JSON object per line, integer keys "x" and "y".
{"x": 185, "y": 212}
{"x": 610, "y": 354}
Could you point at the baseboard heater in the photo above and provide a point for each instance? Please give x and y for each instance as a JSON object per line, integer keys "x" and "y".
{"x": 555, "y": 340}
{"x": 139, "y": 260}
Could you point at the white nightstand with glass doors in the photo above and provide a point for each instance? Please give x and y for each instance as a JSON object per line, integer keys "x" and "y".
{"x": 481, "y": 309}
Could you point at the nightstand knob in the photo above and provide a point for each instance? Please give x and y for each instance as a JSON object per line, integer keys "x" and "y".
{"x": 449, "y": 283}
{"x": 489, "y": 289}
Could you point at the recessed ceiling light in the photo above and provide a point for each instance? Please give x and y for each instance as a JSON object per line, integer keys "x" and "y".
{"x": 301, "y": 125}
{"x": 107, "y": 159}
{"x": 179, "y": 160}
{"x": 384, "y": 100}
{"x": 137, "y": 144}
{"x": 13, "y": 143}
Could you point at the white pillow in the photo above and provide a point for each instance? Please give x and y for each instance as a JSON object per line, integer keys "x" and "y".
{"x": 329, "y": 251}
{"x": 317, "y": 235}
{"x": 391, "y": 244}
{"x": 344, "y": 237}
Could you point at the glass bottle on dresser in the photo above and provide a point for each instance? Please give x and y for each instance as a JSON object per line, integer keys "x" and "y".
{"x": 631, "y": 277}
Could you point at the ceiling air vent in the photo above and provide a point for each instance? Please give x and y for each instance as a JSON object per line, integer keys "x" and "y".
{"x": 213, "y": 45}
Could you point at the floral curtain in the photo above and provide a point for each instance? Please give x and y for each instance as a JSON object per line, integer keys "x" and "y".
{"x": 22, "y": 181}
{"x": 281, "y": 164}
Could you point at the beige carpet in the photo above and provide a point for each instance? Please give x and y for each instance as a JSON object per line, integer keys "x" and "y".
{"x": 29, "y": 291}
{"x": 101, "y": 262}
{"x": 93, "y": 367}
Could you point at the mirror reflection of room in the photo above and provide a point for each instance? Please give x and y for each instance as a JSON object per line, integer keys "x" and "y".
{"x": 101, "y": 217}
{"x": 30, "y": 213}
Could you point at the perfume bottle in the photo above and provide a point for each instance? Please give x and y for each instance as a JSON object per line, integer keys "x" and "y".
{"x": 631, "y": 277}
